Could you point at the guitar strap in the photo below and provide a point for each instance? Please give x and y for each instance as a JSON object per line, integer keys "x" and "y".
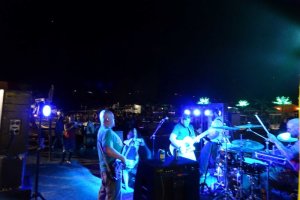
{"x": 106, "y": 163}
{"x": 190, "y": 132}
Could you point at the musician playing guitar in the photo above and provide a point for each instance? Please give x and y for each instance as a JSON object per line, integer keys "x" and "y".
{"x": 183, "y": 138}
{"x": 131, "y": 152}
{"x": 109, "y": 146}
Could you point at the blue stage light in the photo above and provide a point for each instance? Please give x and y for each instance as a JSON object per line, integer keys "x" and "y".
{"x": 208, "y": 112}
{"x": 187, "y": 111}
{"x": 46, "y": 110}
{"x": 197, "y": 112}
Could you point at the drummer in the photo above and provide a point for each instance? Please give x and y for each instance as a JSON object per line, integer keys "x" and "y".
{"x": 285, "y": 178}
{"x": 210, "y": 149}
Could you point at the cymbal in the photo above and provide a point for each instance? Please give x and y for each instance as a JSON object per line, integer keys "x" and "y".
{"x": 286, "y": 137}
{"x": 246, "y": 145}
{"x": 246, "y": 126}
{"x": 226, "y": 128}
{"x": 225, "y": 145}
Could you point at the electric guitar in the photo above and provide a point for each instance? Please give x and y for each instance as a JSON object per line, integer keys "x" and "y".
{"x": 188, "y": 142}
{"x": 117, "y": 165}
{"x": 133, "y": 142}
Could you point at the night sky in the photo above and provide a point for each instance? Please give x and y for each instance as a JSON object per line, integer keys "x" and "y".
{"x": 153, "y": 51}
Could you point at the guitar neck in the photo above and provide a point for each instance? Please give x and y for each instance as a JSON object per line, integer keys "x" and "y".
{"x": 131, "y": 143}
{"x": 202, "y": 135}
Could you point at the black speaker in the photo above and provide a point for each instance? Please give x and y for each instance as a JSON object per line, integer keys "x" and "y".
{"x": 14, "y": 124}
{"x": 169, "y": 180}
{"x": 16, "y": 194}
{"x": 11, "y": 169}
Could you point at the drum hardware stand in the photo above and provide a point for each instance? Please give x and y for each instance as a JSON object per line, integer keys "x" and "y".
{"x": 267, "y": 150}
{"x": 240, "y": 172}
{"x": 226, "y": 191}
{"x": 204, "y": 184}
{"x": 252, "y": 195}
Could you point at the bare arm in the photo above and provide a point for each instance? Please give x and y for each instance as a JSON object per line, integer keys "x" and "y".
{"x": 111, "y": 152}
{"x": 174, "y": 141}
{"x": 288, "y": 153}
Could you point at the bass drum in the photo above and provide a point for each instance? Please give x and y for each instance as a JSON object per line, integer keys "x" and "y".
{"x": 247, "y": 184}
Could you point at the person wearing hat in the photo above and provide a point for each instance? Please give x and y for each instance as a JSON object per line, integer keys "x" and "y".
{"x": 183, "y": 137}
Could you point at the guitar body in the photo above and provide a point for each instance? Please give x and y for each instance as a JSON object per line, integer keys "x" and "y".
{"x": 116, "y": 170}
{"x": 188, "y": 141}
{"x": 188, "y": 152}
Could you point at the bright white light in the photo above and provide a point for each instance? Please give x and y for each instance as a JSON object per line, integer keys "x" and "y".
{"x": 46, "y": 110}
{"x": 207, "y": 112}
{"x": 197, "y": 112}
{"x": 187, "y": 112}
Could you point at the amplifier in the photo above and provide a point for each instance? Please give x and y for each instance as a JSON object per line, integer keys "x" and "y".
{"x": 174, "y": 179}
{"x": 270, "y": 158}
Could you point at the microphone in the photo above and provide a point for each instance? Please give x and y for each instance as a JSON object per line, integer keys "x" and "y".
{"x": 164, "y": 119}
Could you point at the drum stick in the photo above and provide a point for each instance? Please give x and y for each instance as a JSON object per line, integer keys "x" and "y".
{"x": 261, "y": 123}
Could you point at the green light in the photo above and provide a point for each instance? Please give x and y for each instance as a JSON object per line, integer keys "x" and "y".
{"x": 282, "y": 101}
{"x": 203, "y": 100}
{"x": 243, "y": 103}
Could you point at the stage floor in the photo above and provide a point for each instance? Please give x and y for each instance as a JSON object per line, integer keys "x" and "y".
{"x": 80, "y": 179}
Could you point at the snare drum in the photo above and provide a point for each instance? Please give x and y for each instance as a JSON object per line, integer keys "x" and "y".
{"x": 253, "y": 166}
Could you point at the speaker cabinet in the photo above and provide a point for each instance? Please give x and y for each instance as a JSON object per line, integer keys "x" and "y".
{"x": 169, "y": 180}
{"x": 10, "y": 172}
{"x": 14, "y": 125}
{"x": 17, "y": 194}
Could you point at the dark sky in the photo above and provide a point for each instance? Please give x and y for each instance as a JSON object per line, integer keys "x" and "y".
{"x": 225, "y": 50}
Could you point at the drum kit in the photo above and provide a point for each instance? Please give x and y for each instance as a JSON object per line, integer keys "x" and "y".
{"x": 237, "y": 173}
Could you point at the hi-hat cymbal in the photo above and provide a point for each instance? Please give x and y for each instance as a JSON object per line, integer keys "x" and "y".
{"x": 225, "y": 128}
{"x": 246, "y": 145}
{"x": 286, "y": 137}
{"x": 246, "y": 126}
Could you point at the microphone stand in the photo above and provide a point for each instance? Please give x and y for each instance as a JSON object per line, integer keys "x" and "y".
{"x": 36, "y": 193}
{"x": 154, "y": 135}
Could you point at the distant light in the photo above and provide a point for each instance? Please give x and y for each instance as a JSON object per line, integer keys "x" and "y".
{"x": 187, "y": 112}
{"x": 203, "y": 100}
{"x": 46, "y": 110}
{"x": 197, "y": 112}
{"x": 243, "y": 103}
{"x": 282, "y": 101}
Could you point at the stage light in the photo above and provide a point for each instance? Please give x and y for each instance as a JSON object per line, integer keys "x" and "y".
{"x": 46, "y": 110}
{"x": 197, "y": 112}
{"x": 207, "y": 112}
{"x": 187, "y": 112}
